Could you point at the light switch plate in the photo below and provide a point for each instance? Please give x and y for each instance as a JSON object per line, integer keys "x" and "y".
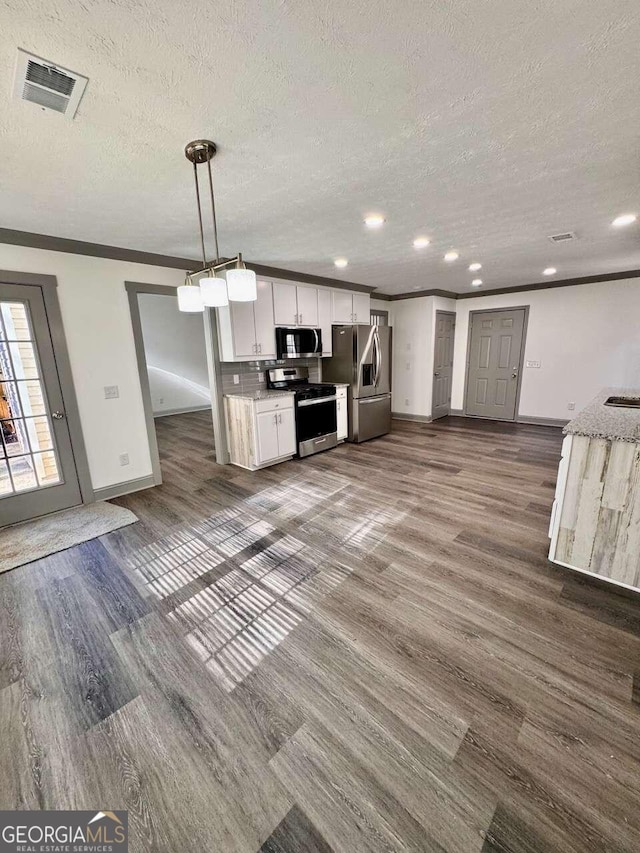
{"x": 236, "y": 379}
{"x": 111, "y": 392}
{"x": 533, "y": 364}
{"x": 124, "y": 459}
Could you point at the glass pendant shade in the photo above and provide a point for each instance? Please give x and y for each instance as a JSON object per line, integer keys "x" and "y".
{"x": 242, "y": 285}
{"x": 214, "y": 292}
{"x": 190, "y": 299}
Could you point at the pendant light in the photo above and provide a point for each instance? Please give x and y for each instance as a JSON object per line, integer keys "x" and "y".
{"x": 190, "y": 298}
{"x": 213, "y": 292}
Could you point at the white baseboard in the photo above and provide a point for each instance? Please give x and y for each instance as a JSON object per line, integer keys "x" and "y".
{"x": 406, "y": 416}
{"x": 521, "y": 419}
{"x": 125, "y": 488}
{"x": 181, "y": 411}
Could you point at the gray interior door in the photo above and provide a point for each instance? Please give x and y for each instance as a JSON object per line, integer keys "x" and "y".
{"x": 443, "y": 363}
{"x": 493, "y": 372}
{"x": 37, "y": 468}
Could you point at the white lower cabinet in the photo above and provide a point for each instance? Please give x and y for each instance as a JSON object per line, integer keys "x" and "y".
{"x": 260, "y": 432}
{"x": 343, "y": 413}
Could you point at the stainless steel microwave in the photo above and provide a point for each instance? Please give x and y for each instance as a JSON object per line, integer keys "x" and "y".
{"x": 298, "y": 343}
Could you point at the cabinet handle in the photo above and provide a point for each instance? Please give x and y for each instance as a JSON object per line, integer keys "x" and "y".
{"x": 254, "y": 348}
{"x": 300, "y": 319}
{"x": 259, "y": 347}
{"x": 295, "y": 322}
{"x": 275, "y": 419}
{"x": 279, "y": 419}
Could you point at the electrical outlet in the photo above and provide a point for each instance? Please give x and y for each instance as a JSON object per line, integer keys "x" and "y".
{"x": 571, "y": 406}
{"x": 260, "y": 377}
{"x": 408, "y": 365}
{"x": 533, "y": 364}
{"x": 124, "y": 459}
{"x": 236, "y": 379}
{"x": 406, "y": 402}
{"x": 111, "y": 392}
{"x": 161, "y": 401}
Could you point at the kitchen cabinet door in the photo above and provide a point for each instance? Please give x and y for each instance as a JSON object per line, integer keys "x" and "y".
{"x": 285, "y": 308}
{"x": 342, "y": 307}
{"x": 243, "y": 329}
{"x": 324, "y": 320}
{"x": 361, "y": 308}
{"x": 265, "y": 329}
{"x": 286, "y": 433}
{"x": 307, "y": 306}
{"x": 343, "y": 416}
{"x": 267, "y": 437}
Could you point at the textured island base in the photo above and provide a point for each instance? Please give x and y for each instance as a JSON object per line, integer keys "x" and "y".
{"x": 33, "y": 540}
{"x": 598, "y": 529}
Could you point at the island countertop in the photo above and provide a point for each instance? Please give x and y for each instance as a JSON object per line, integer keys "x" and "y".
{"x": 608, "y": 422}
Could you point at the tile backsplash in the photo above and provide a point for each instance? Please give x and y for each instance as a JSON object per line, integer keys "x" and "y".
{"x": 253, "y": 374}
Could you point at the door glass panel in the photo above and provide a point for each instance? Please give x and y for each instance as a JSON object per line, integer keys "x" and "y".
{"x": 23, "y": 473}
{"x": 5, "y": 481}
{"x": 28, "y": 455}
{"x": 23, "y": 359}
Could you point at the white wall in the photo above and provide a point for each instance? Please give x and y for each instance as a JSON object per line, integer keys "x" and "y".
{"x": 414, "y": 323}
{"x": 97, "y": 325}
{"x": 175, "y": 353}
{"x": 586, "y": 337}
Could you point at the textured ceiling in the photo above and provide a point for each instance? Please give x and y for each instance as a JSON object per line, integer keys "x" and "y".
{"x": 486, "y": 126}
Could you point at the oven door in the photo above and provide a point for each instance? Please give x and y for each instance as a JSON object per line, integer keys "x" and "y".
{"x": 316, "y": 425}
{"x": 298, "y": 343}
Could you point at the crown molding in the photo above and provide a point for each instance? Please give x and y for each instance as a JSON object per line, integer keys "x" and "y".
{"x": 117, "y": 253}
{"x": 497, "y": 291}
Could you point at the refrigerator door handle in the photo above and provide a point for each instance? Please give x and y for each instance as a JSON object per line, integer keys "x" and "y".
{"x": 376, "y": 341}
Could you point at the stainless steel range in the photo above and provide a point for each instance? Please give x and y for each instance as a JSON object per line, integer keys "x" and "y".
{"x": 315, "y": 407}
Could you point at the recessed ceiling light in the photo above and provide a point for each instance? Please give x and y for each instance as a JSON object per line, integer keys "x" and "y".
{"x": 341, "y": 263}
{"x": 625, "y": 219}
{"x": 476, "y": 282}
{"x": 374, "y": 220}
{"x": 549, "y": 271}
{"x": 421, "y": 242}
{"x": 475, "y": 267}
{"x": 451, "y": 256}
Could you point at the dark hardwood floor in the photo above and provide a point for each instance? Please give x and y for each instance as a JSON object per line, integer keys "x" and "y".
{"x": 366, "y": 650}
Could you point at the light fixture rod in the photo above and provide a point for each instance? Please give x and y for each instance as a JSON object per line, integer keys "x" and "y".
{"x": 195, "y": 175}
{"x": 213, "y": 209}
{"x": 212, "y": 267}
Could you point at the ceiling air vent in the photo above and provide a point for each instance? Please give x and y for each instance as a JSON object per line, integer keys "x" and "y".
{"x": 562, "y": 238}
{"x": 47, "y": 85}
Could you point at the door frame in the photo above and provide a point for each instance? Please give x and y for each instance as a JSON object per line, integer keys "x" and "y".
{"x": 525, "y": 326}
{"x": 433, "y": 363}
{"x": 48, "y": 284}
{"x": 133, "y": 288}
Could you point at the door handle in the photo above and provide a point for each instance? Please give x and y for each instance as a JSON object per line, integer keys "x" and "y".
{"x": 436, "y": 374}
{"x": 57, "y": 416}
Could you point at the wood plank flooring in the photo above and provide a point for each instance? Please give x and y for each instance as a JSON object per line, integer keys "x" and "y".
{"x": 366, "y": 650}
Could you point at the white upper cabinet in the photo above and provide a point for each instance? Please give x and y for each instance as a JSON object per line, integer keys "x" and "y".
{"x": 295, "y": 305}
{"x": 362, "y": 308}
{"x": 307, "y": 306}
{"x": 342, "y": 306}
{"x": 324, "y": 320}
{"x": 285, "y": 304}
{"x": 265, "y": 327}
{"x": 351, "y": 307}
{"x": 247, "y": 329}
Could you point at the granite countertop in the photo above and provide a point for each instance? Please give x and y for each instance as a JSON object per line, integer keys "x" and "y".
{"x": 611, "y": 422}
{"x": 262, "y": 394}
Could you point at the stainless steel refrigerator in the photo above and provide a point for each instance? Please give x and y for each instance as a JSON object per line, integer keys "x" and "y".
{"x": 362, "y": 357}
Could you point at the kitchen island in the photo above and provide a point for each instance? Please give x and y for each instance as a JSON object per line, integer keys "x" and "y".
{"x": 595, "y": 521}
